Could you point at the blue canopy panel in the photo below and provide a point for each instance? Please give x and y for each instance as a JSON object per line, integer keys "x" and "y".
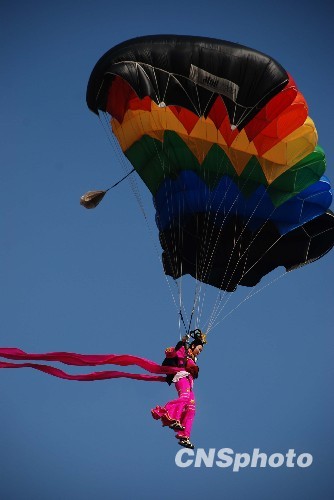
{"x": 178, "y": 199}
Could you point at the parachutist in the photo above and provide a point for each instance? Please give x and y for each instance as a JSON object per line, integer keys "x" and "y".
{"x": 179, "y": 414}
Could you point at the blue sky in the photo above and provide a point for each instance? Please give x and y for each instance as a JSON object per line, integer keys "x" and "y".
{"x": 91, "y": 282}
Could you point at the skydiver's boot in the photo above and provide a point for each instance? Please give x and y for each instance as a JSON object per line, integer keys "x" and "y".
{"x": 176, "y": 426}
{"x": 184, "y": 441}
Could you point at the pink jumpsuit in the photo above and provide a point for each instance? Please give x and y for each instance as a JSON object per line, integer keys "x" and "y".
{"x": 183, "y": 408}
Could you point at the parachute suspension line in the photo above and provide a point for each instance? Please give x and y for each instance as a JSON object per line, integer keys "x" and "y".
{"x": 210, "y": 257}
{"x": 206, "y": 263}
{"x": 246, "y": 250}
{"x": 245, "y": 112}
{"x": 164, "y": 96}
{"x": 219, "y": 298}
{"x": 198, "y": 276}
{"x": 221, "y": 295}
{"x": 218, "y": 307}
{"x": 176, "y": 80}
{"x": 106, "y": 125}
{"x": 235, "y": 247}
{"x": 172, "y": 257}
{"x": 124, "y": 164}
{"x": 234, "y": 126}
{"x": 249, "y": 296}
{"x": 170, "y": 252}
{"x": 142, "y": 68}
{"x": 206, "y": 239}
{"x": 181, "y": 306}
{"x": 208, "y": 215}
{"x": 170, "y": 75}
{"x": 181, "y": 241}
{"x": 191, "y": 318}
{"x": 182, "y": 319}
{"x": 203, "y": 243}
{"x": 196, "y": 302}
{"x": 258, "y": 105}
{"x": 203, "y": 272}
{"x": 196, "y": 294}
{"x": 200, "y": 304}
{"x": 186, "y": 93}
{"x": 209, "y": 264}
{"x": 210, "y": 261}
{"x": 176, "y": 239}
{"x": 201, "y": 255}
{"x": 199, "y": 102}
{"x": 156, "y": 82}
{"x": 207, "y": 104}
{"x": 253, "y": 239}
{"x": 197, "y": 268}
{"x": 136, "y": 192}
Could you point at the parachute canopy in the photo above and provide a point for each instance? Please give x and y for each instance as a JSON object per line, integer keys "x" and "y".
{"x": 221, "y": 136}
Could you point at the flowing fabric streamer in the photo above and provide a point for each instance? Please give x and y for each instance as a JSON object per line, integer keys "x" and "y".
{"x": 74, "y": 359}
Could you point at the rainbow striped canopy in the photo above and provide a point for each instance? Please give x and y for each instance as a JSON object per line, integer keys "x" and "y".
{"x": 221, "y": 136}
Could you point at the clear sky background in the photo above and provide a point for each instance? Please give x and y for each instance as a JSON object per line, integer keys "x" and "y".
{"x": 91, "y": 282}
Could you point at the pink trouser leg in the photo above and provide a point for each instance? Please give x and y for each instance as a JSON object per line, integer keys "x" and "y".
{"x": 188, "y": 415}
{"x": 177, "y": 409}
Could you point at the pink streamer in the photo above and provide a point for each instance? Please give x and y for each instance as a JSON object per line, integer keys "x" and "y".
{"x": 74, "y": 359}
